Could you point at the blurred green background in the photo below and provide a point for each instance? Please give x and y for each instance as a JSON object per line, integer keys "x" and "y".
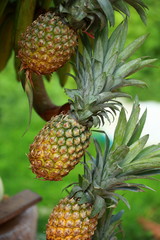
{"x": 14, "y": 114}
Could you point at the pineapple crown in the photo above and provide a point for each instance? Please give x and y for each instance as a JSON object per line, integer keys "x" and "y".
{"x": 92, "y": 14}
{"x": 100, "y": 71}
{"x": 128, "y": 158}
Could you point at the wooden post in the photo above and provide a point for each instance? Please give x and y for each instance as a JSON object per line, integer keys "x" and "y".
{"x": 18, "y": 216}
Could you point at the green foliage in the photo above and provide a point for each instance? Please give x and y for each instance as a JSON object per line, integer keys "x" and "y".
{"x": 101, "y": 70}
{"x": 13, "y": 119}
{"x": 97, "y": 11}
{"x": 150, "y": 48}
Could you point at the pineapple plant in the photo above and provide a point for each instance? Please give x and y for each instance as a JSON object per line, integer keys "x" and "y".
{"x": 102, "y": 68}
{"x": 88, "y": 212}
{"x": 49, "y": 42}
{"x": 99, "y": 73}
{"x": 42, "y": 52}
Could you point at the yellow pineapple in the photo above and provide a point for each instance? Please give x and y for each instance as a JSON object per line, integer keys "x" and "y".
{"x": 99, "y": 73}
{"x": 70, "y": 220}
{"x": 47, "y": 44}
{"x": 58, "y": 147}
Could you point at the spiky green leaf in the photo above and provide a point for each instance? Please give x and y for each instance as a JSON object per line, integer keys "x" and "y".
{"x": 111, "y": 64}
{"x": 25, "y": 80}
{"x": 119, "y": 154}
{"x": 138, "y": 129}
{"x": 123, "y": 199}
{"x": 132, "y": 48}
{"x": 98, "y": 206}
{"x": 131, "y": 124}
{"x": 135, "y": 149}
{"x": 98, "y": 50}
{"x": 120, "y": 6}
{"x": 147, "y": 62}
{"x": 139, "y": 7}
{"x": 116, "y": 41}
{"x": 147, "y": 164}
{"x": 120, "y": 130}
{"x": 108, "y": 10}
{"x": 128, "y": 68}
{"x": 117, "y": 216}
{"x": 148, "y": 151}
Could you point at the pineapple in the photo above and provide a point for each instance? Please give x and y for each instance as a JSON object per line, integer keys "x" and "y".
{"x": 70, "y": 220}
{"x": 58, "y": 147}
{"x": 99, "y": 73}
{"x": 49, "y": 42}
{"x": 88, "y": 212}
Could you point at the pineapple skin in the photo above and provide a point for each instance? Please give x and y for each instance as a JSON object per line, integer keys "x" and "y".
{"x": 69, "y": 220}
{"x": 58, "y": 147}
{"x": 47, "y": 44}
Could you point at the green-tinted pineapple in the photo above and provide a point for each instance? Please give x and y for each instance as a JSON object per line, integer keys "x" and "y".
{"x": 70, "y": 220}
{"x": 99, "y": 73}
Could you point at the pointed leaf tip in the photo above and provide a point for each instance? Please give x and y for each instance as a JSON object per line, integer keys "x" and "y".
{"x": 29, "y": 91}
{"x": 108, "y": 10}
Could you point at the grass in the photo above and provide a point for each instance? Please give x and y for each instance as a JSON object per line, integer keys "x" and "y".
{"x": 14, "y": 165}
